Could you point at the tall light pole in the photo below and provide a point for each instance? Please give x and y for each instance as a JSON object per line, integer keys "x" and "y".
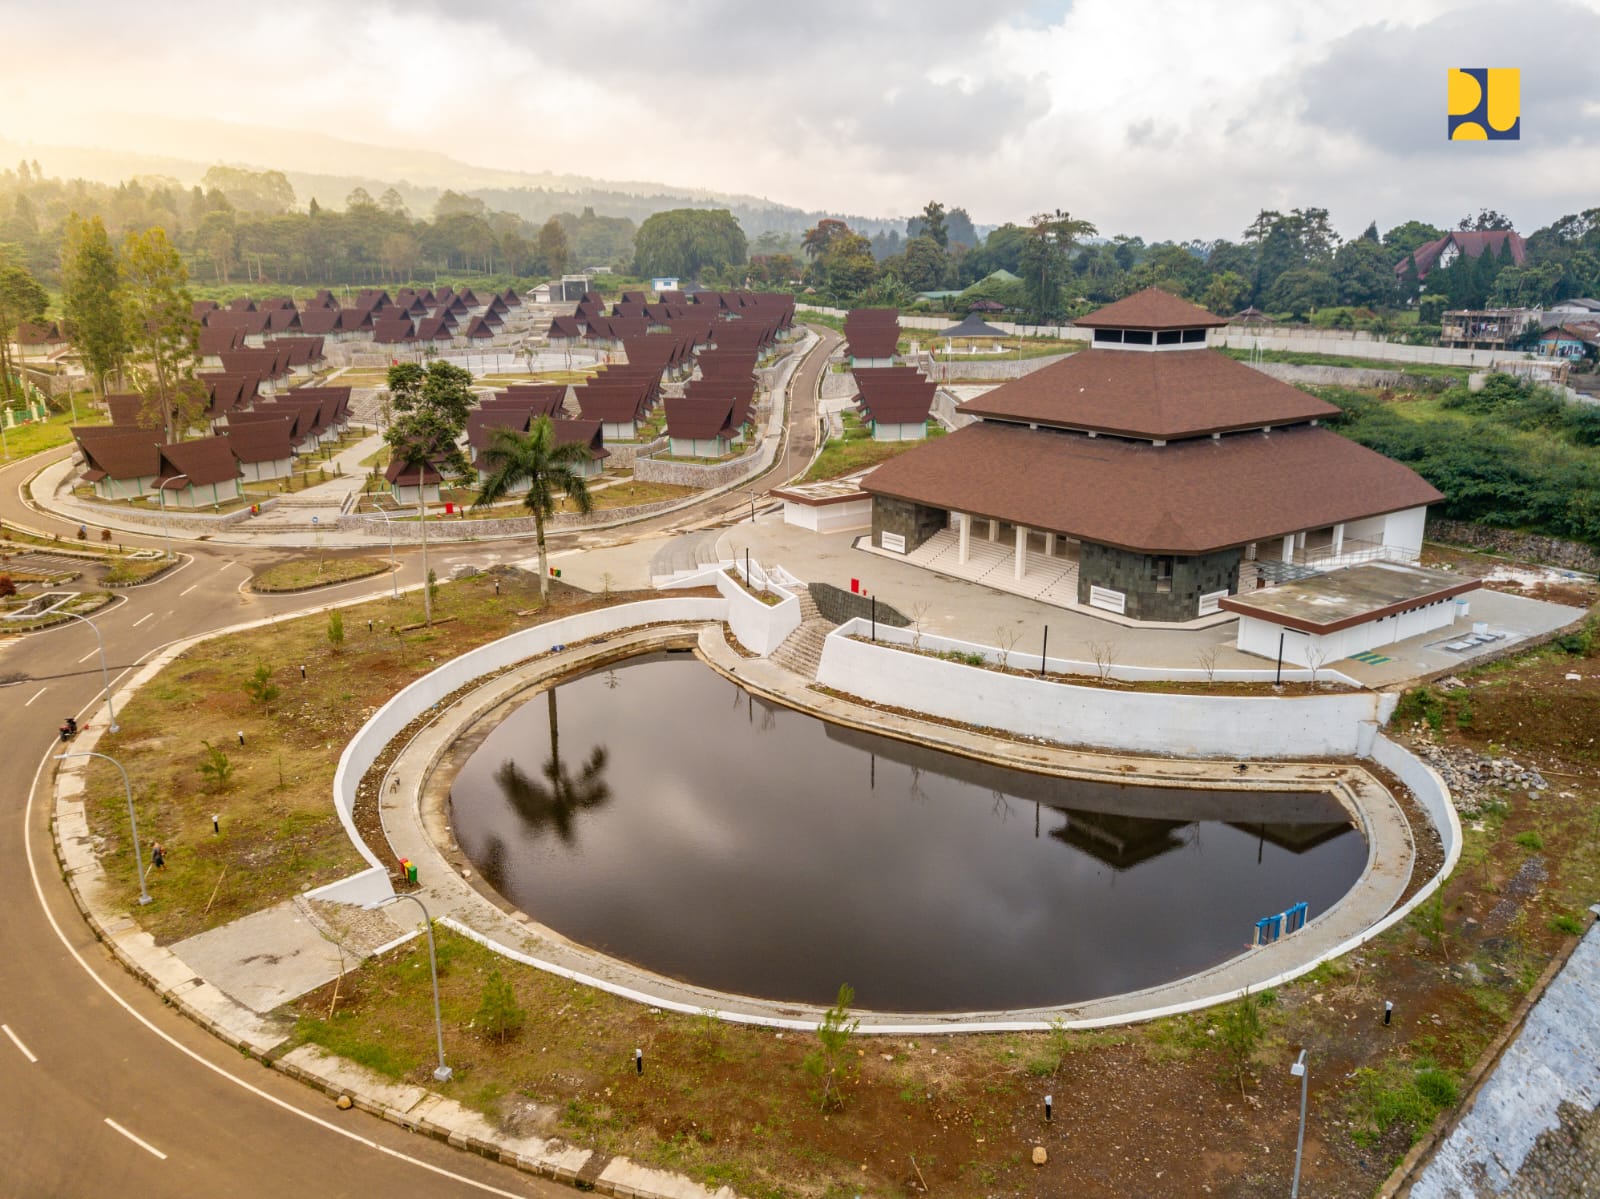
{"x": 105, "y": 675}
{"x": 133, "y": 821}
{"x": 161, "y": 493}
{"x": 1298, "y": 1070}
{"x": 389, "y": 525}
{"x": 443, "y": 1072}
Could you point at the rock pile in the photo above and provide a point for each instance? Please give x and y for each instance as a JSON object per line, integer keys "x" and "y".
{"x": 1475, "y": 780}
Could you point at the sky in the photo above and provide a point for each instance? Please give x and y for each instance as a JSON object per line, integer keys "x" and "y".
{"x": 1169, "y": 120}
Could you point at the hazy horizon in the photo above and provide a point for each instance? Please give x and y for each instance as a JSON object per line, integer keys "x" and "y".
{"x": 1119, "y": 112}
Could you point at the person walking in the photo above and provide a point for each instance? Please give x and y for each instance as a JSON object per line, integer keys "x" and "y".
{"x": 158, "y": 855}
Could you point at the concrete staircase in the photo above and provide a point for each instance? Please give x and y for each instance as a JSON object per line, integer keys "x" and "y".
{"x": 801, "y": 651}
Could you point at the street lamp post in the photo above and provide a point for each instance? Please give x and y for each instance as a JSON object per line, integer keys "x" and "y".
{"x": 1298, "y": 1070}
{"x": 443, "y": 1072}
{"x": 133, "y": 821}
{"x": 389, "y": 525}
{"x": 105, "y": 675}
{"x": 161, "y": 493}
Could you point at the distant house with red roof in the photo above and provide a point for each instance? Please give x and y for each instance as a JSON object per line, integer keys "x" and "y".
{"x": 1441, "y": 252}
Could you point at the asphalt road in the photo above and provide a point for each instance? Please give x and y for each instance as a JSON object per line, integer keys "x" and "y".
{"x": 102, "y": 1086}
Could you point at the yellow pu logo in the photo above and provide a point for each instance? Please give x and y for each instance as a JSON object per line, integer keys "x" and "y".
{"x": 1485, "y": 104}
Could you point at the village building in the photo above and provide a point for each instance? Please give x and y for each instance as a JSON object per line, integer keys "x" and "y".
{"x": 872, "y": 336}
{"x": 700, "y": 428}
{"x": 1442, "y": 251}
{"x": 263, "y": 449}
{"x": 121, "y": 462}
{"x": 413, "y": 485}
{"x": 197, "y": 474}
{"x": 895, "y": 404}
{"x": 1147, "y": 477}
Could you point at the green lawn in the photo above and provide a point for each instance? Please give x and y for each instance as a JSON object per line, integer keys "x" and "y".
{"x": 25, "y": 440}
{"x": 1297, "y": 358}
{"x": 856, "y": 450}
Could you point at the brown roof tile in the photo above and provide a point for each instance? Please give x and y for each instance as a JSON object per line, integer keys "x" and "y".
{"x": 1159, "y": 394}
{"x": 1151, "y": 308}
{"x": 1186, "y": 498}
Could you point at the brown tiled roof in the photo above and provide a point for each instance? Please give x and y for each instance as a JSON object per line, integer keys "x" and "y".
{"x": 1186, "y": 498}
{"x": 895, "y": 399}
{"x": 125, "y": 408}
{"x": 434, "y": 328}
{"x": 262, "y": 440}
{"x": 31, "y": 334}
{"x": 283, "y": 320}
{"x": 301, "y": 418}
{"x": 323, "y": 300}
{"x": 1151, "y": 308}
{"x": 393, "y": 332}
{"x": 278, "y": 303}
{"x": 319, "y": 320}
{"x": 614, "y": 405}
{"x": 334, "y": 401}
{"x": 268, "y": 363}
{"x": 205, "y": 460}
{"x": 397, "y": 472}
{"x": 700, "y": 420}
{"x": 1160, "y": 394}
{"x": 543, "y": 399}
{"x": 241, "y": 304}
{"x": 581, "y": 432}
{"x": 220, "y": 341}
{"x": 230, "y": 391}
{"x": 249, "y": 322}
{"x": 199, "y": 308}
{"x": 481, "y": 422}
{"x": 120, "y": 452}
{"x": 354, "y": 320}
{"x": 299, "y": 351}
{"x": 478, "y": 327}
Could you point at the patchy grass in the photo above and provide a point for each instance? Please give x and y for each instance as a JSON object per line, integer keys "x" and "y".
{"x": 1301, "y": 358}
{"x": 280, "y": 833}
{"x": 297, "y": 574}
{"x": 125, "y": 572}
{"x": 857, "y": 451}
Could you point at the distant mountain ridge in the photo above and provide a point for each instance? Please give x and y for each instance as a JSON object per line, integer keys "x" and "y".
{"x": 330, "y": 168}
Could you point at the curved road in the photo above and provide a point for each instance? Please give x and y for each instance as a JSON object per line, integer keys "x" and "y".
{"x": 101, "y": 1085}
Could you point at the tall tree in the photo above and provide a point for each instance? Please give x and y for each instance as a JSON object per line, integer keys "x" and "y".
{"x": 1044, "y": 260}
{"x": 22, "y": 300}
{"x": 552, "y": 247}
{"x": 930, "y": 224}
{"x": 92, "y": 297}
{"x": 421, "y": 439}
{"x": 441, "y": 390}
{"x": 162, "y": 331}
{"x": 535, "y": 459}
{"x": 683, "y": 242}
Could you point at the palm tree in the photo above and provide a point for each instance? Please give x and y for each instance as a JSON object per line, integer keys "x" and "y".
{"x": 555, "y": 803}
{"x": 534, "y": 458}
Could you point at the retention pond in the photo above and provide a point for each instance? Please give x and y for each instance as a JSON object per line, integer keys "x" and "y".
{"x": 658, "y": 813}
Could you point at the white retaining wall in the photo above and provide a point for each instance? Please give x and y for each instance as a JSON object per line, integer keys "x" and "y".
{"x": 391, "y": 719}
{"x": 1139, "y": 722}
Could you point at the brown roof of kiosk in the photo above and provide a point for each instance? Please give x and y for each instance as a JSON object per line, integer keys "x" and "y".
{"x": 1162, "y": 395}
{"x": 202, "y": 461}
{"x": 399, "y": 473}
{"x": 700, "y": 420}
{"x": 125, "y": 408}
{"x": 1186, "y": 498}
{"x": 262, "y": 440}
{"x": 1151, "y": 308}
{"x": 120, "y": 452}
{"x": 581, "y": 432}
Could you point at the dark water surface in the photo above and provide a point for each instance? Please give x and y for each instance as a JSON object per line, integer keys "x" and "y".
{"x": 708, "y": 836}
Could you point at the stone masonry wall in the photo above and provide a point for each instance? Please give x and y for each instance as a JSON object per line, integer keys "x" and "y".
{"x": 1530, "y": 547}
{"x": 914, "y": 522}
{"x": 1134, "y": 575}
{"x": 690, "y": 474}
{"x": 838, "y": 605}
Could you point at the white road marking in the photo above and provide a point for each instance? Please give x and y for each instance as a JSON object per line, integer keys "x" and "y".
{"x": 17, "y": 1041}
{"x": 145, "y": 1145}
{"x": 36, "y": 695}
{"x": 142, "y": 619}
{"x": 187, "y": 590}
{"x": 281, "y": 1104}
{"x": 225, "y": 566}
{"x": 87, "y": 656}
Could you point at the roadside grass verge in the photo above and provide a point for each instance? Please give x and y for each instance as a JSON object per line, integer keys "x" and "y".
{"x": 299, "y": 574}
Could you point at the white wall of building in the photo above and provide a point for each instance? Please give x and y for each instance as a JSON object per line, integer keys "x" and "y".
{"x": 1404, "y": 529}
{"x": 910, "y": 432}
{"x": 829, "y": 518}
{"x": 1257, "y": 636}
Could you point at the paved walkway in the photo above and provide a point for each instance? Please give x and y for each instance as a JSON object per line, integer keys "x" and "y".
{"x": 417, "y": 824}
{"x": 1532, "y": 1131}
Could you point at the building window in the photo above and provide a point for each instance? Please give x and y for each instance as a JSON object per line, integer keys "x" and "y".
{"x": 1108, "y": 334}
{"x": 1138, "y": 337}
{"x": 1192, "y": 335}
{"x": 1163, "y": 574}
{"x": 1168, "y": 337}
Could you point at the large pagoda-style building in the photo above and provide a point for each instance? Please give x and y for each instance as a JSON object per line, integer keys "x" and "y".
{"x": 1146, "y": 476}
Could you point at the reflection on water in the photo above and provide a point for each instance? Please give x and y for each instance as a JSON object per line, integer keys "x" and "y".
{"x": 655, "y": 812}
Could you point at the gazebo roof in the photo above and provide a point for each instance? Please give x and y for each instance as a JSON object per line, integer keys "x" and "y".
{"x": 972, "y": 325}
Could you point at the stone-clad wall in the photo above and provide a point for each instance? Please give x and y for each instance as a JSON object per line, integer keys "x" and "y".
{"x": 692, "y": 474}
{"x": 1134, "y": 575}
{"x": 1530, "y": 547}
{"x": 914, "y": 522}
